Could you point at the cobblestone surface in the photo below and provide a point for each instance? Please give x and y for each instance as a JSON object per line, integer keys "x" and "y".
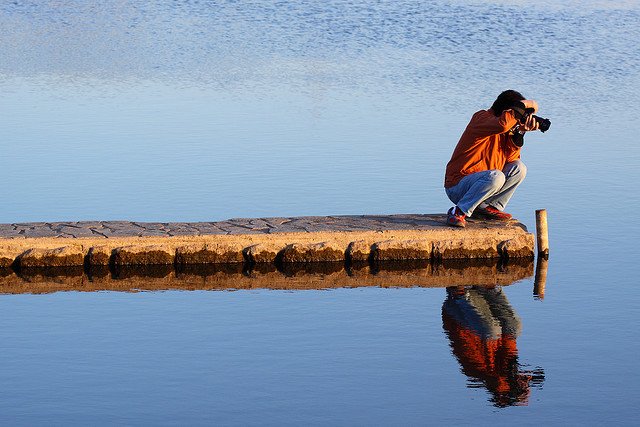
{"x": 236, "y": 226}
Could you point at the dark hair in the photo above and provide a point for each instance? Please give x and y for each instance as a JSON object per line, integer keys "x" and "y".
{"x": 506, "y": 100}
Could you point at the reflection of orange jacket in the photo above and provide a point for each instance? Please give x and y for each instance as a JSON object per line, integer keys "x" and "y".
{"x": 487, "y": 359}
{"x": 484, "y": 145}
{"x": 492, "y": 361}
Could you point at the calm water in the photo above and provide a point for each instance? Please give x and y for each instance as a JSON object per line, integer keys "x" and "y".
{"x": 203, "y": 110}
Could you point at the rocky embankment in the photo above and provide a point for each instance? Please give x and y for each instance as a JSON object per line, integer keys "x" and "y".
{"x": 261, "y": 241}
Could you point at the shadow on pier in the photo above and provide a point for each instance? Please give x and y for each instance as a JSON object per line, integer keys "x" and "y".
{"x": 415, "y": 273}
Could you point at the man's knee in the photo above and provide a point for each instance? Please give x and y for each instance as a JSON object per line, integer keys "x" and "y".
{"x": 516, "y": 169}
{"x": 497, "y": 179}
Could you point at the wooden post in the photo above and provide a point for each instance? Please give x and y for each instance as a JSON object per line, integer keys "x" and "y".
{"x": 540, "y": 280}
{"x": 542, "y": 234}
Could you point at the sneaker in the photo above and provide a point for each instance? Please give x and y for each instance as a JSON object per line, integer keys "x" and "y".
{"x": 490, "y": 212}
{"x": 455, "y": 217}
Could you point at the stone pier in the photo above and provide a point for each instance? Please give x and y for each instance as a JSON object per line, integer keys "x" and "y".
{"x": 261, "y": 241}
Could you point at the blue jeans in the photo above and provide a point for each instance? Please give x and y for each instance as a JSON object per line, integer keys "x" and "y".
{"x": 492, "y": 187}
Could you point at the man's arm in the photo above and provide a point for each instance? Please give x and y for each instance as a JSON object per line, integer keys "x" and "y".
{"x": 517, "y": 133}
{"x": 487, "y": 124}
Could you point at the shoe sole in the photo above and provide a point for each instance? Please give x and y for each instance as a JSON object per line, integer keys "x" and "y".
{"x": 456, "y": 224}
{"x": 489, "y": 216}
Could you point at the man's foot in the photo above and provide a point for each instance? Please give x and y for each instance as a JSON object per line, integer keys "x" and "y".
{"x": 455, "y": 217}
{"x": 490, "y": 212}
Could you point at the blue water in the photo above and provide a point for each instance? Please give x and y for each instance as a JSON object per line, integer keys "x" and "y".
{"x": 197, "y": 110}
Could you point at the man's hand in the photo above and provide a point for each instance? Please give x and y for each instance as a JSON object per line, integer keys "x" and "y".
{"x": 529, "y": 124}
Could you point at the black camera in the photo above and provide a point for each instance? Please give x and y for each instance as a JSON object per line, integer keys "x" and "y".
{"x": 522, "y": 114}
{"x": 543, "y": 124}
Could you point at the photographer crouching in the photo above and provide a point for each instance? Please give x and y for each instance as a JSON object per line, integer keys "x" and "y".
{"x": 485, "y": 168}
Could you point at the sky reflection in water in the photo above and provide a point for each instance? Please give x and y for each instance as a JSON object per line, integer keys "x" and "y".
{"x": 201, "y": 111}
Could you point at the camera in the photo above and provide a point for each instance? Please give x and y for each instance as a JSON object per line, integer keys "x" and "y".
{"x": 543, "y": 124}
{"x": 523, "y": 113}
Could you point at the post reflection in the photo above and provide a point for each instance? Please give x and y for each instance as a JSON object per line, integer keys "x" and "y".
{"x": 540, "y": 281}
{"x": 482, "y": 328}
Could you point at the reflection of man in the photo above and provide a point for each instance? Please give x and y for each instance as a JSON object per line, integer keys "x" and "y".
{"x": 483, "y": 328}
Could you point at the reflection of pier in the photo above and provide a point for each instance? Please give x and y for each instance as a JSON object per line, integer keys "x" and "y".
{"x": 416, "y": 273}
{"x": 482, "y": 328}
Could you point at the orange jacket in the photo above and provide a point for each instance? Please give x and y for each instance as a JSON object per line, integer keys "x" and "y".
{"x": 484, "y": 145}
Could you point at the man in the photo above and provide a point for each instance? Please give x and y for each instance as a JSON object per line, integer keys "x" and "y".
{"x": 485, "y": 168}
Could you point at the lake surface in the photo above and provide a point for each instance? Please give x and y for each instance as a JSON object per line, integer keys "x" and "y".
{"x": 202, "y": 111}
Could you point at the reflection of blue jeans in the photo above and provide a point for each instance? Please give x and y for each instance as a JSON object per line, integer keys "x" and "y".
{"x": 492, "y": 187}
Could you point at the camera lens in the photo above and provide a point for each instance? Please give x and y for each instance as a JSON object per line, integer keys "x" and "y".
{"x": 543, "y": 124}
